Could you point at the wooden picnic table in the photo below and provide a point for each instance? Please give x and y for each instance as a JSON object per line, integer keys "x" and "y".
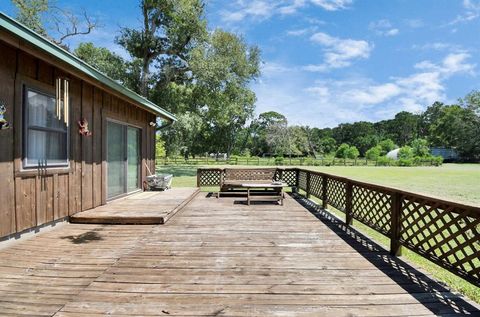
{"x": 276, "y": 195}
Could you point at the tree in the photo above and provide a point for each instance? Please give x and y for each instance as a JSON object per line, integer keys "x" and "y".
{"x": 54, "y": 22}
{"x": 342, "y": 151}
{"x": 278, "y": 139}
{"x": 386, "y": 146}
{"x": 405, "y": 153}
{"x": 110, "y": 64}
{"x": 30, "y": 13}
{"x": 222, "y": 69}
{"x": 352, "y": 152}
{"x": 258, "y": 130}
{"x": 373, "y": 153}
{"x": 170, "y": 30}
{"x": 420, "y": 148}
{"x": 327, "y": 145}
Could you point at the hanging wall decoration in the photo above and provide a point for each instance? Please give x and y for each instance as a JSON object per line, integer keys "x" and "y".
{"x": 83, "y": 124}
{"x": 62, "y": 99}
{"x": 3, "y": 122}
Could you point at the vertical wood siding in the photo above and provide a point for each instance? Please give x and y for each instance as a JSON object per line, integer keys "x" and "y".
{"x": 30, "y": 199}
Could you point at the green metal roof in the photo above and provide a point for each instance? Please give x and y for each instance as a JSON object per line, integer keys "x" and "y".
{"x": 47, "y": 46}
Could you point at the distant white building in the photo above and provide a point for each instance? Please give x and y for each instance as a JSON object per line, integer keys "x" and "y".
{"x": 393, "y": 154}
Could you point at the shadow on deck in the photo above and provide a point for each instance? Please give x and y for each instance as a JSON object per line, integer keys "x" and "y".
{"x": 218, "y": 257}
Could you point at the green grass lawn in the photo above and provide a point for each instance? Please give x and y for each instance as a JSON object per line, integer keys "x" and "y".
{"x": 457, "y": 182}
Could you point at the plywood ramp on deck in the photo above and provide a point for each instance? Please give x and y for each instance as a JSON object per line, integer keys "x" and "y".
{"x": 154, "y": 207}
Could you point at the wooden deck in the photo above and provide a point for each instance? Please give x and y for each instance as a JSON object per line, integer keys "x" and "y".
{"x": 154, "y": 207}
{"x": 217, "y": 257}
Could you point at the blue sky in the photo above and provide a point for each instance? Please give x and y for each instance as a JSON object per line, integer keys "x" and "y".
{"x": 332, "y": 61}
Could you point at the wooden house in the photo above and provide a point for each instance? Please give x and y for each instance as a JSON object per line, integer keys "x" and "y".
{"x": 71, "y": 138}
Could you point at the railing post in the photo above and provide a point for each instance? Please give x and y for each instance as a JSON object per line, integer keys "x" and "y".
{"x": 396, "y": 222}
{"x": 348, "y": 203}
{"x": 198, "y": 177}
{"x": 324, "y": 192}
{"x": 308, "y": 184}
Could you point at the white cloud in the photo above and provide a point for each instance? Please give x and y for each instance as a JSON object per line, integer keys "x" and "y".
{"x": 264, "y": 9}
{"x": 438, "y": 46}
{"x": 338, "y": 53}
{"x": 328, "y": 102}
{"x": 383, "y": 27}
{"x": 472, "y": 12}
{"x": 414, "y": 23}
{"x": 333, "y": 5}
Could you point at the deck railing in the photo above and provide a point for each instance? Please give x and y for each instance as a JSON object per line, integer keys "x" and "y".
{"x": 444, "y": 232}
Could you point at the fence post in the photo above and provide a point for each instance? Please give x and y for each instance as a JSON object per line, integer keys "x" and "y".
{"x": 396, "y": 221}
{"x": 348, "y": 203}
{"x": 308, "y": 184}
{"x": 198, "y": 177}
{"x": 324, "y": 192}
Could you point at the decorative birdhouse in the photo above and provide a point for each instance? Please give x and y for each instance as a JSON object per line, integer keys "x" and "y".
{"x": 83, "y": 127}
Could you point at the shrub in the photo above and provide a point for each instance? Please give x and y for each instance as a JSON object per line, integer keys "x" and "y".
{"x": 417, "y": 160}
{"x": 385, "y": 161}
{"x": 437, "y": 160}
{"x": 405, "y": 152}
{"x": 279, "y": 160}
{"x": 373, "y": 153}
{"x": 352, "y": 152}
{"x": 405, "y": 162}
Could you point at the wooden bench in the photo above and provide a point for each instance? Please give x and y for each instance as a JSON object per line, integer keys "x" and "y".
{"x": 234, "y": 178}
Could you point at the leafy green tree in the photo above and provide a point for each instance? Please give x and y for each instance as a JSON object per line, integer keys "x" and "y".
{"x": 170, "y": 30}
{"x": 222, "y": 69}
{"x": 420, "y": 148}
{"x": 159, "y": 146}
{"x": 327, "y": 145}
{"x": 374, "y": 153}
{"x": 111, "y": 64}
{"x": 352, "y": 152}
{"x": 386, "y": 146}
{"x": 405, "y": 153}
{"x": 31, "y": 12}
{"x": 258, "y": 130}
{"x": 342, "y": 151}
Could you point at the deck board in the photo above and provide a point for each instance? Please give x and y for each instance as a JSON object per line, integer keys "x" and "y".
{"x": 141, "y": 208}
{"x": 218, "y": 257}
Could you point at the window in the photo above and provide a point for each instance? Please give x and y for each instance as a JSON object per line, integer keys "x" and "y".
{"x": 45, "y": 132}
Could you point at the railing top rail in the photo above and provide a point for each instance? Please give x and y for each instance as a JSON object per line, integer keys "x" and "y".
{"x": 392, "y": 190}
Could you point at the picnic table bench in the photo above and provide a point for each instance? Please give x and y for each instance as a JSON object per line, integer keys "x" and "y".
{"x": 236, "y": 181}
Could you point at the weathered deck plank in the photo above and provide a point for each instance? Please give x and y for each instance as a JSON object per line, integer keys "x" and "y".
{"x": 141, "y": 208}
{"x": 217, "y": 257}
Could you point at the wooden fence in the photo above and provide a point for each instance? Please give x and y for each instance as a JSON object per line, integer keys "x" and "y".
{"x": 270, "y": 161}
{"x": 444, "y": 232}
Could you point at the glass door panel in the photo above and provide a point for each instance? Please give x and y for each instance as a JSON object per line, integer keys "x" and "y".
{"x": 115, "y": 159}
{"x": 133, "y": 156}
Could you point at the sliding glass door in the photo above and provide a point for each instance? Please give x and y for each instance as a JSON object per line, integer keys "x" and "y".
{"x": 123, "y": 159}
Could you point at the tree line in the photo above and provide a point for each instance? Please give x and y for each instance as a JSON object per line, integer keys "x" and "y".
{"x": 455, "y": 126}
{"x": 203, "y": 76}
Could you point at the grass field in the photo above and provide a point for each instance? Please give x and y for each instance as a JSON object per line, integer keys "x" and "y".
{"x": 457, "y": 182}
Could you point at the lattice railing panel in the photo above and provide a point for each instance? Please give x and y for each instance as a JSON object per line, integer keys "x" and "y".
{"x": 316, "y": 185}
{"x": 447, "y": 234}
{"x": 302, "y": 180}
{"x": 288, "y": 176}
{"x": 252, "y": 174}
{"x": 336, "y": 193}
{"x": 372, "y": 207}
{"x": 209, "y": 177}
